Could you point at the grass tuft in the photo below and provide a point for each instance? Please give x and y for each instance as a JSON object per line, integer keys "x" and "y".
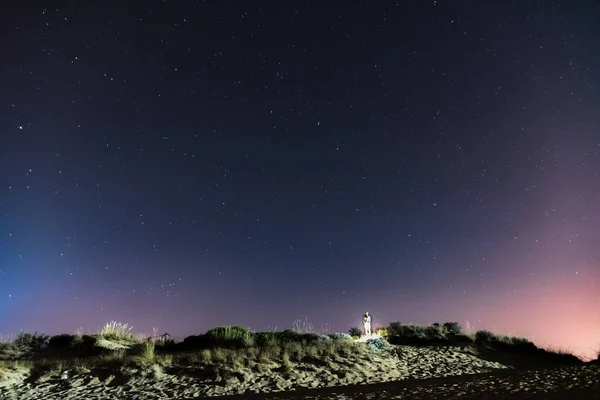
{"x": 114, "y": 330}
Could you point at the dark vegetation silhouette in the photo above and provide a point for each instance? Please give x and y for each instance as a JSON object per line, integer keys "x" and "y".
{"x": 115, "y": 347}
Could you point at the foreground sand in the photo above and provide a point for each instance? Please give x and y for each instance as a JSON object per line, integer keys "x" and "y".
{"x": 402, "y": 372}
{"x": 570, "y": 383}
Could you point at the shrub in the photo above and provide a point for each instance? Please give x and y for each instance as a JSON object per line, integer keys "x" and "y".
{"x": 24, "y": 345}
{"x": 30, "y": 341}
{"x": 394, "y": 329}
{"x": 309, "y": 337}
{"x": 194, "y": 342}
{"x": 377, "y": 344}
{"x": 383, "y": 332}
{"x": 462, "y": 339}
{"x": 415, "y": 332}
{"x": 294, "y": 350}
{"x": 266, "y": 338}
{"x": 521, "y": 343}
{"x": 434, "y": 332}
{"x": 340, "y": 336}
{"x": 319, "y": 337}
{"x": 484, "y": 337}
{"x": 305, "y": 338}
{"x": 452, "y": 328}
{"x": 289, "y": 335}
{"x": 512, "y": 343}
{"x": 448, "y": 332}
{"x": 229, "y": 336}
{"x": 355, "y": 331}
{"x": 409, "y": 334}
{"x": 63, "y": 341}
{"x": 88, "y": 342}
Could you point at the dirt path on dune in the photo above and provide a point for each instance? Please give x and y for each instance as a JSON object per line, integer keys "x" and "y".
{"x": 570, "y": 383}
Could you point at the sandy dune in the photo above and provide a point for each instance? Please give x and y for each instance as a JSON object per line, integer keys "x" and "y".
{"x": 402, "y": 372}
{"x": 572, "y": 383}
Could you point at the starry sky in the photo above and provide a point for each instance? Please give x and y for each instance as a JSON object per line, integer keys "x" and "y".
{"x": 186, "y": 164}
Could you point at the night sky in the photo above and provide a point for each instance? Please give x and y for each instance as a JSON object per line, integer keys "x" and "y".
{"x": 186, "y": 164}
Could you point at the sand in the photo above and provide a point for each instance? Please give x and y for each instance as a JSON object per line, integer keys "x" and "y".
{"x": 400, "y": 372}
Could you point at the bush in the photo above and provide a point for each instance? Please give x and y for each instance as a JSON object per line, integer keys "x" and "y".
{"x": 409, "y": 334}
{"x": 484, "y": 337}
{"x": 266, "y": 338}
{"x": 63, "y": 341}
{"x": 511, "y": 343}
{"x": 23, "y": 346}
{"x": 434, "y": 332}
{"x": 31, "y": 341}
{"x": 377, "y": 344}
{"x": 229, "y": 336}
{"x": 448, "y": 332}
{"x": 87, "y": 342}
{"x": 452, "y": 328}
{"x": 355, "y": 331}
{"x": 394, "y": 329}
{"x": 229, "y": 332}
{"x": 340, "y": 336}
{"x": 289, "y": 336}
{"x": 521, "y": 343}
{"x": 313, "y": 337}
{"x": 462, "y": 339}
{"x": 194, "y": 342}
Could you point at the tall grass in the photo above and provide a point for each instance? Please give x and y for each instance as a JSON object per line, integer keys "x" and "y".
{"x": 147, "y": 353}
{"x": 117, "y": 331}
{"x": 303, "y": 326}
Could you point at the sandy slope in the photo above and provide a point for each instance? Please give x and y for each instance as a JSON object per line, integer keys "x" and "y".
{"x": 400, "y": 373}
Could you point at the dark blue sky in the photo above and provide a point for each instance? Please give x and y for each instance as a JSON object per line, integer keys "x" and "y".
{"x": 186, "y": 164}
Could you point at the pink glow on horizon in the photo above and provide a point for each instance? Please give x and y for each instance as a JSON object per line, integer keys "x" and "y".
{"x": 561, "y": 317}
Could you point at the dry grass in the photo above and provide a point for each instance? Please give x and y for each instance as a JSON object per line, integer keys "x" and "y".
{"x": 303, "y": 326}
{"x": 227, "y": 350}
{"x": 147, "y": 354}
{"x": 117, "y": 331}
{"x": 283, "y": 353}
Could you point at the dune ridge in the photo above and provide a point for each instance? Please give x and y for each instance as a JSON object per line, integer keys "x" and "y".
{"x": 234, "y": 363}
